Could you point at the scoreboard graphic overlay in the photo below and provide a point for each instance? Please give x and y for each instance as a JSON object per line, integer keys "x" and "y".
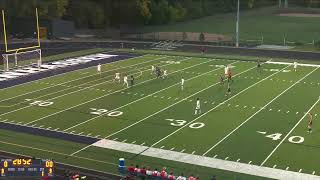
{"x": 26, "y": 167}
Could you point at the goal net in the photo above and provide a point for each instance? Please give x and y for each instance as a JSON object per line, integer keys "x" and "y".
{"x": 20, "y": 59}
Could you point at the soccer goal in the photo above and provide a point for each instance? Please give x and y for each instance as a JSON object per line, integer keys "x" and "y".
{"x": 20, "y": 59}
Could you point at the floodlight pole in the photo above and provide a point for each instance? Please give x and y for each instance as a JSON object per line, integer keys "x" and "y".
{"x": 237, "y": 24}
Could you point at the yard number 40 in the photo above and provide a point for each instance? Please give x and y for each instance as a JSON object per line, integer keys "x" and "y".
{"x": 292, "y": 139}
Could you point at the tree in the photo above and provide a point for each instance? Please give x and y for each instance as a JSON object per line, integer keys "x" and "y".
{"x": 144, "y": 10}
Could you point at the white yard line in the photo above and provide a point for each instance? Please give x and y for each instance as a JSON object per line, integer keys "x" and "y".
{"x": 244, "y": 90}
{"x": 71, "y": 87}
{"x": 78, "y": 78}
{"x": 133, "y": 124}
{"x": 258, "y": 112}
{"x": 285, "y": 138}
{"x": 147, "y": 95}
{"x": 82, "y": 90}
{"x": 100, "y": 97}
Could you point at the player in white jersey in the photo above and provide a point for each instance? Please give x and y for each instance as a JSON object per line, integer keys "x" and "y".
{"x": 153, "y": 69}
{"x": 226, "y": 70}
{"x": 182, "y": 83}
{"x": 295, "y": 65}
{"x": 125, "y": 81}
{"x": 165, "y": 74}
{"x": 99, "y": 69}
{"x": 198, "y": 109}
{"x": 117, "y": 77}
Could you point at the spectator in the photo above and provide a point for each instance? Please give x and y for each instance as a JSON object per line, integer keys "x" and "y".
{"x": 163, "y": 173}
{"x": 213, "y": 178}
{"x": 197, "y": 178}
{"x": 191, "y": 177}
{"x": 155, "y": 173}
{"x": 171, "y": 176}
{"x": 181, "y": 177}
{"x": 136, "y": 170}
{"x": 143, "y": 171}
{"x": 149, "y": 172}
{"x": 131, "y": 169}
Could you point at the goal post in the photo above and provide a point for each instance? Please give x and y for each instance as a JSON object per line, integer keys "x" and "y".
{"x": 30, "y": 58}
{"x": 5, "y": 33}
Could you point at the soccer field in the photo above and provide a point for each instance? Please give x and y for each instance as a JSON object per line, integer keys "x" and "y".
{"x": 262, "y": 123}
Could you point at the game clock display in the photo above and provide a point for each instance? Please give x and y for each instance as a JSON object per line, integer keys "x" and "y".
{"x": 26, "y": 167}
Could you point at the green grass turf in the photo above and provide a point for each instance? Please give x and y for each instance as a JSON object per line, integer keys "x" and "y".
{"x": 230, "y": 123}
{"x": 253, "y": 25}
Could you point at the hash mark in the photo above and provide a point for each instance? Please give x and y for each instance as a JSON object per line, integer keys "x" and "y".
{"x": 143, "y": 143}
{"x": 172, "y": 149}
{"x": 161, "y": 147}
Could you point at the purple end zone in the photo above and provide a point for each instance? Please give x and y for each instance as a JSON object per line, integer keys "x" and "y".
{"x": 40, "y": 75}
{"x": 48, "y": 133}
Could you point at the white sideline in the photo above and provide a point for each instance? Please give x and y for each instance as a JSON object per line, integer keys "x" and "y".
{"x": 80, "y": 77}
{"x": 148, "y": 95}
{"x": 289, "y": 63}
{"x": 204, "y": 161}
{"x": 259, "y": 111}
{"x": 285, "y": 138}
{"x": 161, "y": 110}
{"x": 81, "y": 90}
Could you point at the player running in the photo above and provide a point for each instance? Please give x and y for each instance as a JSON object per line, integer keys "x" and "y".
{"x": 229, "y": 76}
{"x": 259, "y": 65}
{"x": 117, "y": 77}
{"x": 165, "y": 74}
{"x": 99, "y": 69}
{"x": 182, "y": 83}
{"x": 226, "y": 70}
{"x": 131, "y": 80}
{"x": 221, "y": 80}
{"x": 153, "y": 69}
{"x": 198, "y": 109}
{"x": 228, "y": 90}
{"x": 310, "y": 123}
{"x": 295, "y": 65}
{"x": 125, "y": 81}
